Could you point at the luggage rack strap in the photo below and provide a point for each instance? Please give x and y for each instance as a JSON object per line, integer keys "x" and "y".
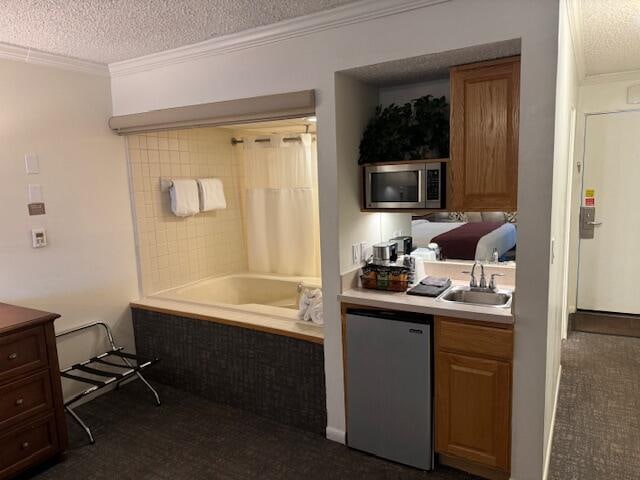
{"x": 120, "y": 353}
{"x": 101, "y": 373}
{"x": 91, "y": 381}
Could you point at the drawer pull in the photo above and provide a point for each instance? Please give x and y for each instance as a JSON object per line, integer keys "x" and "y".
{"x": 13, "y": 356}
{"x": 25, "y": 445}
{"x": 19, "y": 402}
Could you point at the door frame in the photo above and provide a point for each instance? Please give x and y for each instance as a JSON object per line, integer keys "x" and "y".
{"x": 582, "y": 169}
{"x": 567, "y": 222}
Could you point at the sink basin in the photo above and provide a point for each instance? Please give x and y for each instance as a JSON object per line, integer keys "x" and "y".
{"x": 464, "y": 295}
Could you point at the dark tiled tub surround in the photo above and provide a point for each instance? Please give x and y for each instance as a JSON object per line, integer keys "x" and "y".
{"x": 275, "y": 376}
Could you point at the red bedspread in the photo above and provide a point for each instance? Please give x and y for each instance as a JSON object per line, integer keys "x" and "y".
{"x": 461, "y": 242}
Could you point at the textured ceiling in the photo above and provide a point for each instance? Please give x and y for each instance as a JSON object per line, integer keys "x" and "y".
{"x": 434, "y": 66}
{"x": 106, "y": 31}
{"x": 610, "y": 35}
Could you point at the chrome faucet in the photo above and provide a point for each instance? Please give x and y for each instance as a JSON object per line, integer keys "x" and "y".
{"x": 473, "y": 283}
{"x": 482, "y": 286}
{"x": 492, "y": 284}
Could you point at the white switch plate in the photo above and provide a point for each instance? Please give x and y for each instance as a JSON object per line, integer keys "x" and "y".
{"x": 38, "y": 238}
{"x": 35, "y": 193}
{"x": 32, "y": 163}
{"x": 355, "y": 254}
{"x": 364, "y": 251}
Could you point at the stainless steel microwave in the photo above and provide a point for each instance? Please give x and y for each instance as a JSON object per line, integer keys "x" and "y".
{"x": 405, "y": 185}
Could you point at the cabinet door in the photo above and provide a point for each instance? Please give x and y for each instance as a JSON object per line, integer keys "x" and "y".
{"x": 484, "y": 136}
{"x": 473, "y": 409}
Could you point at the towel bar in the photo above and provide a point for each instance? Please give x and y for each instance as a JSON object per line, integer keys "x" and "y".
{"x": 105, "y": 377}
{"x": 165, "y": 184}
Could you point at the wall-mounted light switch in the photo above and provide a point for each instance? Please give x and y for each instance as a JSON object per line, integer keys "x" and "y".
{"x": 32, "y": 163}
{"x": 38, "y": 237}
{"x": 35, "y": 193}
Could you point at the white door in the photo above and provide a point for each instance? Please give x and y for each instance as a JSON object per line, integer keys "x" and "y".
{"x": 609, "y": 264}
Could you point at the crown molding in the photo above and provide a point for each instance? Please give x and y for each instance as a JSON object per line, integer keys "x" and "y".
{"x": 37, "y": 57}
{"x": 574, "y": 15}
{"x": 348, "y": 14}
{"x": 626, "y": 76}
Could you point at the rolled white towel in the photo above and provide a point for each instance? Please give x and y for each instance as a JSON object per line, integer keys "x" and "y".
{"x": 314, "y": 310}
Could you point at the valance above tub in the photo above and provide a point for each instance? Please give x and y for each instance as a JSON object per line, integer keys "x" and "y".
{"x": 255, "y": 109}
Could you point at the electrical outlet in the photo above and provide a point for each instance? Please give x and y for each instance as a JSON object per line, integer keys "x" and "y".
{"x": 365, "y": 251}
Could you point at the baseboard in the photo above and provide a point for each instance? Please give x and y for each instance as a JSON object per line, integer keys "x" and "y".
{"x": 472, "y": 467}
{"x": 336, "y": 435}
{"x": 545, "y": 473}
{"x": 605, "y": 323}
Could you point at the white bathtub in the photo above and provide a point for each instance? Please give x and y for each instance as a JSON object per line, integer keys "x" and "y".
{"x": 270, "y": 295}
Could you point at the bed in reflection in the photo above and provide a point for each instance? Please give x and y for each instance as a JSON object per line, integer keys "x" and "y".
{"x": 468, "y": 235}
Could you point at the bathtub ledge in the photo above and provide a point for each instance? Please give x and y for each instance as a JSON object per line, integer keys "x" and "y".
{"x": 288, "y": 327}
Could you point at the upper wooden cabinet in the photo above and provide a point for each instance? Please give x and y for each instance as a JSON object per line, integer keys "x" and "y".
{"x": 485, "y": 107}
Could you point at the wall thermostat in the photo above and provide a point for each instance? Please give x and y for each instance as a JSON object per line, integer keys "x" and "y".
{"x": 39, "y": 238}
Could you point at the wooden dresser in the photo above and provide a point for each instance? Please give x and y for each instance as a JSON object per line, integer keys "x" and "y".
{"x": 32, "y": 421}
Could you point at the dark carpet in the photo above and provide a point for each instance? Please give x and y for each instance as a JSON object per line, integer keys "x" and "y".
{"x": 189, "y": 437}
{"x": 597, "y": 430}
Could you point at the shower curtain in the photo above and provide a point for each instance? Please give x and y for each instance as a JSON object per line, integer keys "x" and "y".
{"x": 281, "y": 206}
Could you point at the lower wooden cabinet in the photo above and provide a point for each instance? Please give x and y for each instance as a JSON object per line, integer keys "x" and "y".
{"x": 473, "y": 393}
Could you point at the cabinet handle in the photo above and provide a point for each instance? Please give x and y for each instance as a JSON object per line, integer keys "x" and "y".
{"x": 13, "y": 356}
{"x": 25, "y": 445}
{"x": 19, "y": 402}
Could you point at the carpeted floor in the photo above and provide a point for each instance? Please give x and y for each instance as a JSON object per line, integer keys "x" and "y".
{"x": 192, "y": 438}
{"x": 597, "y": 431}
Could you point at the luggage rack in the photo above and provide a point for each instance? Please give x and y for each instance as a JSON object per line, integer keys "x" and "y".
{"x": 123, "y": 361}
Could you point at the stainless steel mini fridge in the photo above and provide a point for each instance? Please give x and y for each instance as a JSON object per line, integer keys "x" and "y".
{"x": 389, "y": 385}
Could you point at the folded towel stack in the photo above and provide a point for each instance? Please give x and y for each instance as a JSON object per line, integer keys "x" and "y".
{"x": 184, "y": 197}
{"x": 310, "y": 306}
{"x": 430, "y": 286}
{"x": 211, "y": 194}
{"x": 436, "y": 281}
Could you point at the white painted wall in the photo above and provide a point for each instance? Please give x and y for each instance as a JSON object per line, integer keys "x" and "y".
{"x": 355, "y": 104}
{"x": 311, "y": 62}
{"x": 566, "y": 102}
{"x": 401, "y": 94}
{"x": 88, "y": 271}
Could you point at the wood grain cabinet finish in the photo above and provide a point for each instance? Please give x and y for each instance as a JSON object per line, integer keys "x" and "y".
{"x": 473, "y": 393}
{"x": 32, "y": 422}
{"x": 485, "y": 109}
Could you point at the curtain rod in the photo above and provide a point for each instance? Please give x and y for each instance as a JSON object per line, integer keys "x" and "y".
{"x": 235, "y": 141}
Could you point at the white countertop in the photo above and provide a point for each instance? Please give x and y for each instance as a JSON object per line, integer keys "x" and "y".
{"x": 412, "y": 303}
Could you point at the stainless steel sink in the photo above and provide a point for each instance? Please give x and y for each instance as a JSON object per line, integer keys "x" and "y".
{"x": 464, "y": 295}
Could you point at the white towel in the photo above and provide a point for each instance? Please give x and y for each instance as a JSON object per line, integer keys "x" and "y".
{"x": 310, "y": 306}
{"x": 184, "y": 197}
{"x": 211, "y": 194}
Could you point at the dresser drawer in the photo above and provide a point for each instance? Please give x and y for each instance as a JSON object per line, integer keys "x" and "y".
{"x": 25, "y": 398}
{"x": 27, "y": 446}
{"x": 22, "y": 353}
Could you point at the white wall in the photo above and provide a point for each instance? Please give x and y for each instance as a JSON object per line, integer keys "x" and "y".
{"x": 88, "y": 271}
{"x": 355, "y": 104}
{"x": 311, "y": 62}
{"x": 401, "y": 94}
{"x": 566, "y": 102}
